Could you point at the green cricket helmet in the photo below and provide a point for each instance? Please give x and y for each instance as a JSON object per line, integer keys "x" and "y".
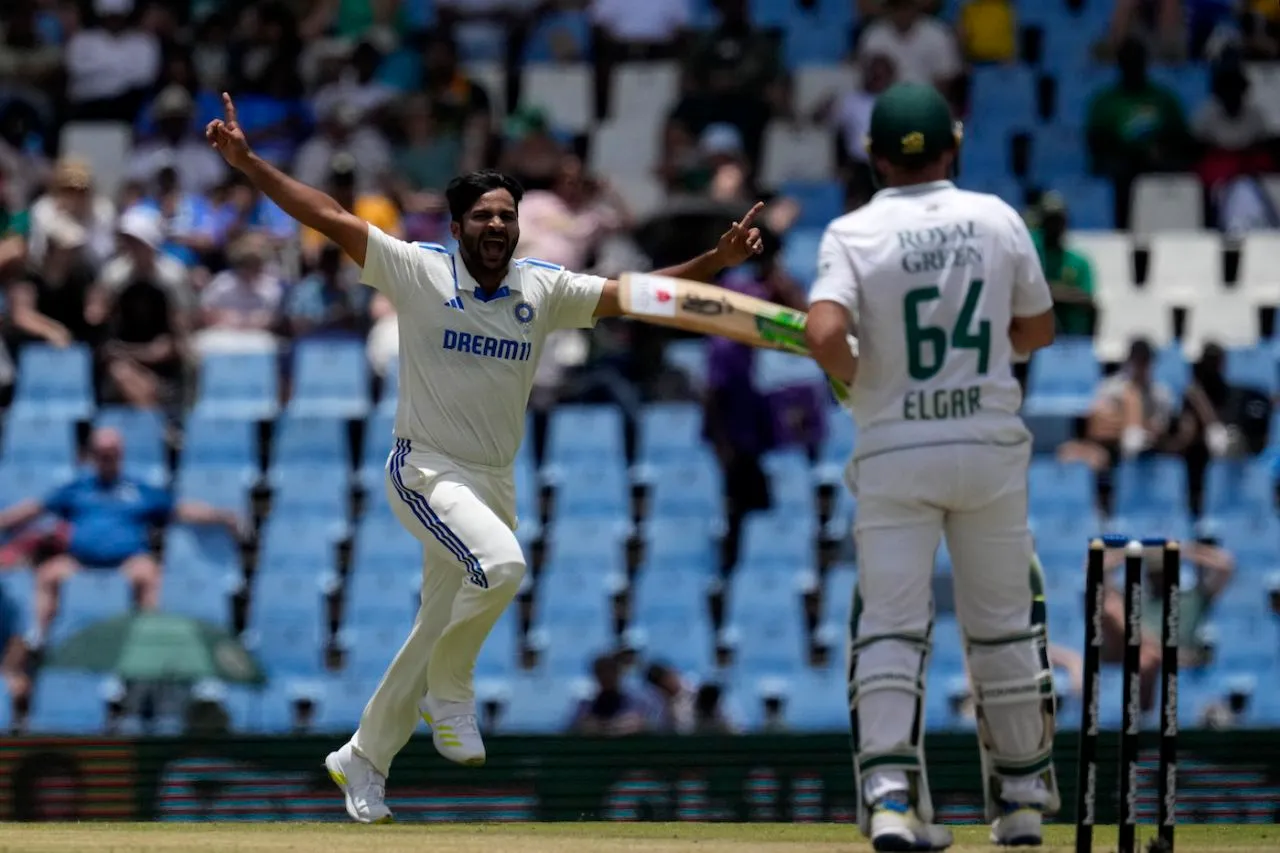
{"x": 912, "y": 125}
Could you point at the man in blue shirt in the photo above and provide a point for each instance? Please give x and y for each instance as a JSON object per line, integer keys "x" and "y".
{"x": 111, "y": 517}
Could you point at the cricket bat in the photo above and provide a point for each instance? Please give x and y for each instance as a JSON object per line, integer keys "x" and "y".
{"x": 710, "y": 310}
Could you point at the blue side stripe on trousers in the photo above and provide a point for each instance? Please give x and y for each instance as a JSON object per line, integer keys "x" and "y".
{"x": 421, "y": 510}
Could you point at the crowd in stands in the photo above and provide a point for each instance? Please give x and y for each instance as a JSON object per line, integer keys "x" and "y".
{"x": 640, "y": 129}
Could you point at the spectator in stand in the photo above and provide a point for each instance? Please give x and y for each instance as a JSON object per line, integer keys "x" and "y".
{"x": 459, "y": 104}
{"x": 30, "y": 62}
{"x": 13, "y": 662}
{"x": 139, "y": 309}
{"x": 850, "y": 114}
{"x": 566, "y": 223}
{"x": 240, "y": 306}
{"x": 177, "y": 146}
{"x": 112, "y": 64}
{"x": 243, "y": 209}
{"x": 1134, "y": 126}
{"x": 623, "y": 31}
{"x": 1161, "y": 22}
{"x": 1232, "y": 131}
{"x": 1069, "y": 273}
{"x": 24, "y": 168}
{"x": 73, "y": 216}
{"x": 427, "y": 156}
{"x": 185, "y": 218}
{"x": 14, "y": 225}
{"x": 371, "y": 206}
{"x": 923, "y": 49}
{"x": 328, "y": 303}
{"x": 1260, "y": 24}
{"x": 674, "y": 700}
{"x": 111, "y": 517}
{"x": 1132, "y": 414}
{"x": 988, "y": 31}
{"x": 709, "y": 714}
{"x": 1229, "y": 711}
{"x": 512, "y": 20}
{"x": 1207, "y": 568}
{"x": 733, "y": 74}
{"x": 357, "y": 86}
{"x": 342, "y": 131}
{"x": 611, "y": 710}
{"x": 532, "y": 154}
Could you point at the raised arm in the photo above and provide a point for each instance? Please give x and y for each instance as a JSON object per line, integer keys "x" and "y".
{"x": 307, "y": 205}
{"x": 736, "y": 245}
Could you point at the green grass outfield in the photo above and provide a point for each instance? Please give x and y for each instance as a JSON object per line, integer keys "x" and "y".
{"x": 545, "y": 838}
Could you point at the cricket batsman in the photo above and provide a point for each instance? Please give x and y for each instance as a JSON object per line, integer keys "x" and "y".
{"x": 472, "y": 323}
{"x": 941, "y": 287}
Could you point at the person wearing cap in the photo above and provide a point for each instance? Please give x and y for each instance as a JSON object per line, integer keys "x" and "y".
{"x": 111, "y": 64}
{"x": 1069, "y": 273}
{"x": 943, "y": 288}
{"x": 72, "y": 217}
{"x": 922, "y": 48}
{"x": 240, "y": 305}
{"x": 176, "y": 146}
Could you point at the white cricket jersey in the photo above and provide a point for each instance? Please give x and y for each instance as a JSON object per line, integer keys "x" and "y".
{"x": 466, "y": 359}
{"x": 932, "y": 276}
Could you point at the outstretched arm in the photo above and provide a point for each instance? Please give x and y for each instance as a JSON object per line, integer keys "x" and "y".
{"x": 307, "y": 205}
{"x": 740, "y": 242}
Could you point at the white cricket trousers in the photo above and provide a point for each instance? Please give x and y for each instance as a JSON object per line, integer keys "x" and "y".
{"x": 472, "y": 566}
{"x": 975, "y": 495}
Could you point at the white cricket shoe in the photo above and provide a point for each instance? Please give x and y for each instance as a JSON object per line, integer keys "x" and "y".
{"x": 896, "y": 827}
{"x": 454, "y": 730}
{"x": 363, "y": 787}
{"x": 1019, "y": 826}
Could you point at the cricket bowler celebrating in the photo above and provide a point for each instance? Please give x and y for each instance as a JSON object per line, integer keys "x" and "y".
{"x": 941, "y": 287}
{"x": 472, "y": 325}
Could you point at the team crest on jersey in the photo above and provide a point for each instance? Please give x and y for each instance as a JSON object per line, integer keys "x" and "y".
{"x": 524, "y": 313}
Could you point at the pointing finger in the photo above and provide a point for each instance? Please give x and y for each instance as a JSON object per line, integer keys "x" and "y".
{"x": 229, "y": 106}
{"x": 751, "y": 215}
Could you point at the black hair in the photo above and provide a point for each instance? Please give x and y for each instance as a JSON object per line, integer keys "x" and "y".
{"x": 465, "y": 190}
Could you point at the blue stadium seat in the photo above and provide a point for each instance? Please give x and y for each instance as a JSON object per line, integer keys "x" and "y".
{"x": 693, "y": 489}
{"x": 771, "y": 539}
{"x": 377, "y": 443}
{"x": 216, "y": 442}
{"x": 1090, "y": 202}
{"x": 754, "y": 594}
{"x": 1189, "y": 82}
{"x": 320, "y": 494}
{"x": 383, "y": 545}
{"x": 984, "y": 155}
{"x": 818, "y": 700}
{"x": 677, "y": 545}
{"x": 1062, "y": 378}
{"x": 588, "y": 544}
{"x": 1007, "y": 188}
{"x": 307, "y": 443}
{"x": 1171, "y": 369}
{"x": 541, "y": 703}
{"x": 371, "y": 645}
{"x": 1254, "y": 539}
{"x": 20, "y": 481}
{"x": 1057, "y": 153}
{"x": 1075, "y": 89}
{"x": 599, "y": 488}
{"x": 528, "y": 488}
{"x": 224, "y": 489}
{"x": 567, "y": 649}
{"x": 89, "y": 597}
{"x": 690, "y": 357}
{"x": 837, "y": 596}
{"x": 199, "y": 596}
{"x": 389, "y": 395}
{"x": 203, "y": 550}
{"x": 1003, "y": 98}
{"x": 1152, "y": 484}
{"x": 585, "y": 434}
{"x": 669, "y": 432}
{"x": 800, "y": 255}
{"x": 286, "y": 624}
{"x": 1254, "y": 367}
{"x": 810, "y": 39}
{"x": 773, "y": 645}
{"x": 1059, "y": 489}
{"x": 499, "y": 655}
{"x": 842, "y": 433}
{"x": 68, "y": 702}
{"x": 775, "y": 371}
{"x": 54, "y": 383}
{"x": 245, "y": 386}
{"x": 330, "y": 380}
{"x": 791, "y": 482}
{"x": 1235, "y": 487}
{"x": 382, "y": 598}
{"x": 575, "y": 596}
{"x": 820, "y": 201}
{"x": 290, "y": 546}
{"x": 38, "y": 440}
{"x": 667, "y": 597}
{"x": 343, "y": 697}
{"x": 143, "y": 431}
{"x": 687, "y": 643}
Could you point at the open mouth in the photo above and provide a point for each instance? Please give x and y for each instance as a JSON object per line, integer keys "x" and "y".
{"x": 493, "y": 248}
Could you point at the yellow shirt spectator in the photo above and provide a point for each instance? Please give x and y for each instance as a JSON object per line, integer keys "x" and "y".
{"x": 374, "y": 209}
{"x": 988, "y": 31}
